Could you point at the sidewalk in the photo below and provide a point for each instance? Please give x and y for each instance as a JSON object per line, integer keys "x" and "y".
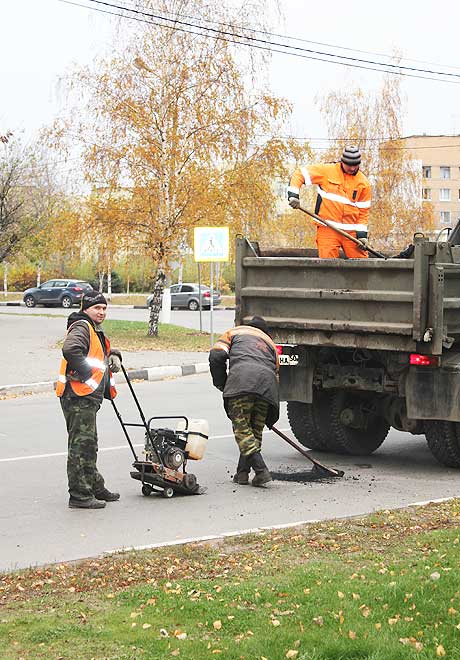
{"x": 30, "y": 361}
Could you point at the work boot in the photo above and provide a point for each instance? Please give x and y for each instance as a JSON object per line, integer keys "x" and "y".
{"x": 242, "y": 471}
{"x": 86, "y": 504}
{"x": 107, "y": 496}
{"x": 263, "y": 475}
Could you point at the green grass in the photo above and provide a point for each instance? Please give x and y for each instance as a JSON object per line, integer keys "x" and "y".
{"x": 385, "y": 587}
{"x": 132, "y": 336}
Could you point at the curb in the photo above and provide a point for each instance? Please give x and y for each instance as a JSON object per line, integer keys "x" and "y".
{"x": 150, "y": 374}
{"x": 10, "y": 304}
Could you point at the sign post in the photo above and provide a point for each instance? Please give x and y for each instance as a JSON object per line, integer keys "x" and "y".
{"x": 211, "y": 244}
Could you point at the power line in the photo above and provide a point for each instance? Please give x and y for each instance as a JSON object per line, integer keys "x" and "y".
{"x": 224, "y": 36}
{"x": 271, "y": 43}
{"x": 291, "y": 38}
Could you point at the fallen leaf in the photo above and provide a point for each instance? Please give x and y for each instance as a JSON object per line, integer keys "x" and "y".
{"x": 340, "y": 594}
{"x": 217, "y": 624}
{"x": 180, "y": 635}
{"x": 175, "y": 652}
{"x": 440, "y": 651}
{"x": 275, "y": 623}
{"x": 378, "y": 626}
{"x": 163, "y": 633}
{"x": 435, "y": 576}
{"x": 351, "y": 634}
{"x": 145, "y": 626}
{"x": 292, "y": 653}
{"x": 318, "y": 620}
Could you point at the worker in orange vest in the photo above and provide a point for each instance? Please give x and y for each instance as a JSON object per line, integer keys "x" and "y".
{"x": 85, "y": 379}
{"x": 344, "y": 198}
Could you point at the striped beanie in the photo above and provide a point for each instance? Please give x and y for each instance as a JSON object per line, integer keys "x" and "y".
{"x": 351, "y": 156}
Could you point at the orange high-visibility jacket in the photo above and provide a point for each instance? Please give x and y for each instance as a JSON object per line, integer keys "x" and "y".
{"x": 96, "y": 360}
{"x": 343, "y": 198}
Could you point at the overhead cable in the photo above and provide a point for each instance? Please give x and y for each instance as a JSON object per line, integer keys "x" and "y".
{"x": 250, "y": 42}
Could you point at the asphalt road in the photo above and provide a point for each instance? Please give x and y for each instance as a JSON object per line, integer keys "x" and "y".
{"x": 222, "y": 318}
{"x": 28, "y": 338}
{"x": 37, "y": 527}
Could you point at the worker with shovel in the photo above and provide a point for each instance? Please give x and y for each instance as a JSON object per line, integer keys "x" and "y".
{"x": 85, "y": 379}
{"x": 250, "y": 391}
{"x": 344, "y": 199}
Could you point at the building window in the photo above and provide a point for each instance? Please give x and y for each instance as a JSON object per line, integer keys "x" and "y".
{"x": 426, "y": 194}
{"x": 444, "y": 195}
{"x": 445, "y": 219}
{"x": 427, "y": 171}
{"x": 445, "y": 172}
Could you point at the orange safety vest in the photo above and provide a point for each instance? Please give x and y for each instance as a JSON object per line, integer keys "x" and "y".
{"x": 96, "y": 360}
{"x": 342, "y": 198}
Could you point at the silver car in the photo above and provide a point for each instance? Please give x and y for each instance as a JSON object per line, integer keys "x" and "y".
{"x": 187, "y": 296}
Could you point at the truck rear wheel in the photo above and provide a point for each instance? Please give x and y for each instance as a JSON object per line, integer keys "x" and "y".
{"x": 303, "y": 424}
{"x": 356, "y": 427}
{"x": 443, "y": 439}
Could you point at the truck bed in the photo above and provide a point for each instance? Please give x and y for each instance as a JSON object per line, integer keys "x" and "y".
{"x": 392, "y": 304}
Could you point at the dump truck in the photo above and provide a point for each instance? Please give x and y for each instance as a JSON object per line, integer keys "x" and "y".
{"x": 364, "y": 344}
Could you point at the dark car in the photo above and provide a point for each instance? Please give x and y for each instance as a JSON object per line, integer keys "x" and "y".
{"x": 186, "y": 296}
{"x": 56, "y": 292}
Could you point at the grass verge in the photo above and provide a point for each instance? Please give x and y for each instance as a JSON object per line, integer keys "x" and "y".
{"x": 383, "y": 587}
{"x": 132, "y": 336}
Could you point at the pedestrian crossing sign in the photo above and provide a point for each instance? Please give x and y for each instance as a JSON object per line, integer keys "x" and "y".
{"x": 211, "y": 243}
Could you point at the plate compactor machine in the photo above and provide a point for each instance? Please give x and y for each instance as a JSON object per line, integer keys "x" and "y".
{"x": 166, "y": 452}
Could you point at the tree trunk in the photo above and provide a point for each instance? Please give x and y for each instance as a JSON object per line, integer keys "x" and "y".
{"x": 109, "y": 278}
{"x": 155, "y": 306}
{"x": 101, "y": 280}
{"x": 39, "y": 274}
{"x": 5, "y": 279}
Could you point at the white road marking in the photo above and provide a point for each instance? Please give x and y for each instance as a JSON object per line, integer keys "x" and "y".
{"x": 101, "y": 449}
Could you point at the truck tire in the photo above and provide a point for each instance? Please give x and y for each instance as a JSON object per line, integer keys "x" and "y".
{"x": 303, "y": 420}
{"x": 356, "y": 439}
{"x": 443, "y": 439}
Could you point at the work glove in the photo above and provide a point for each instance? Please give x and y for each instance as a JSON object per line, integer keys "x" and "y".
{"x": 115, "y": 361}
{"x": 407, "y": 253}
{"x": 294, "y": 202}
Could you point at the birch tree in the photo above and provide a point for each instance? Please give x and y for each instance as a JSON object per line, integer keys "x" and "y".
{"x": 174, "y": 120}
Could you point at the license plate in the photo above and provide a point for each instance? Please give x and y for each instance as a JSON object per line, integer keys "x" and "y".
{"x": 289, "y": 360}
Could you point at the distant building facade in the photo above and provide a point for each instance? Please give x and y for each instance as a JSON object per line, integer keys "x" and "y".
{"x": 438, "y": 158}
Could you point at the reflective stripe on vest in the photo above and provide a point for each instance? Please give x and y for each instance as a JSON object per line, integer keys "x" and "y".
{"x": 96, "y": 360}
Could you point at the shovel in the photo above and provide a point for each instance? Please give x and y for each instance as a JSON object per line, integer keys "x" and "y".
{"x": 345, "y": 234}
{"x": 322, "y": 470}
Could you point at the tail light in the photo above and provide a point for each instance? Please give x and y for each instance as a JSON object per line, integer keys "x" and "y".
{"x": 75, "y": 288}
{"x": 279, "y": 349}
{"x": 420, "y": 360}
{"x": 206, "y": 294}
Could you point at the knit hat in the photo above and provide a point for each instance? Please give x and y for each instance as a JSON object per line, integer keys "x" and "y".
{"x": 260, "y": 323}
{"x": 92, "y": 298}
{"x": 351, "y": 156}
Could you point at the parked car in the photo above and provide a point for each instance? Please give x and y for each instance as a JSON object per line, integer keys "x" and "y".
{"x": 56, "y": 292}
{"x": 186, "y": 296}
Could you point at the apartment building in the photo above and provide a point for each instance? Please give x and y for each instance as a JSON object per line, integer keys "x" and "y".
{"x": 438, "y": 157}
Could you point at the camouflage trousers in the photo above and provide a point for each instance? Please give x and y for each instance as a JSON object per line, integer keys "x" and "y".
{"x": 248, "y": 414}
{"x": 83, "y": 477}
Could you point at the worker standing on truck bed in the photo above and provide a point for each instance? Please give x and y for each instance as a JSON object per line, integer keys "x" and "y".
{"x": 250, "y": 390}
{"x": 344, "y": 197}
